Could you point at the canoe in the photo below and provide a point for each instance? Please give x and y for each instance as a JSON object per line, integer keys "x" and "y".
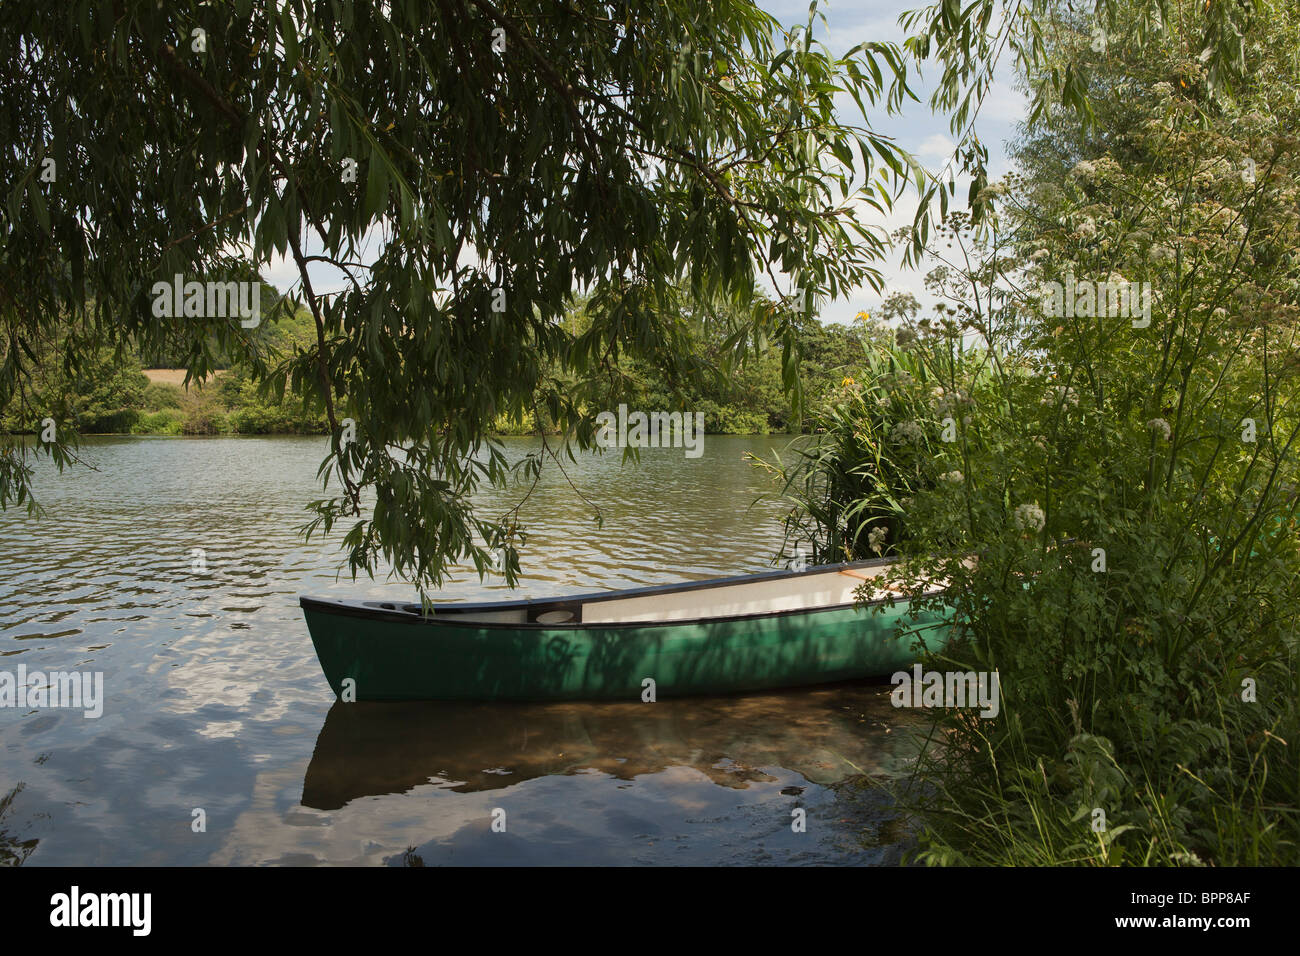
{"x": 729, "y": 635}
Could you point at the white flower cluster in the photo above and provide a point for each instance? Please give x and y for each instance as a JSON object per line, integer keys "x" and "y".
{"x": 1083, "y": 170}
{"x": 910, "y": 433}
{"x": 896, "y": 380}
{"x": 1030, "y": 518}
{"x": 876, "y": 539}
{"x": 1161, "y": 426}
{"x": 952, "y": 477}
{"x": 1062, "y": 395}
{"x": 951, "y": 403}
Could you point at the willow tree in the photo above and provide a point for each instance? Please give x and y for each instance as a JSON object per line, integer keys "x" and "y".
{"x": 462, "y": 168}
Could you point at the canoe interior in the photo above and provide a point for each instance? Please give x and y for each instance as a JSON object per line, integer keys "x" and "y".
{"x": 773, "y": 592}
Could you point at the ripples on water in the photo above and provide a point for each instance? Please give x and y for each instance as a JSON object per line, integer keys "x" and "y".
{"x": 215, "y": 699}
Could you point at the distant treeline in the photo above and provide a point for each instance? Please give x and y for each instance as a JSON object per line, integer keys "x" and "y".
{"x": 111, "y": 394}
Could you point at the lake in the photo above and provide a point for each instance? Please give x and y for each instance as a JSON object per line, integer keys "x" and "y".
{"x": 173, "y": 568}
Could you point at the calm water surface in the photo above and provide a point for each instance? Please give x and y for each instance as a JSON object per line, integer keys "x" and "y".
{"x": 215, "y": 701}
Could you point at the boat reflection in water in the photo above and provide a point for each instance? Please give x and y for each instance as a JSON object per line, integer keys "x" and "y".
{"x": 822, "y": 740}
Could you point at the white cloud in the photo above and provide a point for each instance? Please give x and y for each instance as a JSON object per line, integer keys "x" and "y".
{"x": 1004, "y": 104}
{"x": 936, "y": 146}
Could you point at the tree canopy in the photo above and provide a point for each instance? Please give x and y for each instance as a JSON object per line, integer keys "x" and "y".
{"x": 498, "y": 156}
{"x": 463, "y": 167}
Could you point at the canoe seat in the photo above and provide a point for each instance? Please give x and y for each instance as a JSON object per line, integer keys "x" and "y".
{"x": 555, "y": 612}
{"x": 555, "y": 617}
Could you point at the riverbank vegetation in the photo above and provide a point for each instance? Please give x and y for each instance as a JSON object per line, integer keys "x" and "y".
{"x": 116, "y": 392}
{"x": 1112, "y": 497}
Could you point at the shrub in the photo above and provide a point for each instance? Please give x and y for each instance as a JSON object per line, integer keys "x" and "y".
{"x": 169, "y": 421}
{"x": 733, "y": 420}
{"x": 202, "y": 413}
{"x": 159, "y": 395}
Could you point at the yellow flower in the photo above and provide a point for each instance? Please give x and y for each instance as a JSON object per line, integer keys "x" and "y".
{"x": 863, "y": 316}
{"x": 847, "y": 382}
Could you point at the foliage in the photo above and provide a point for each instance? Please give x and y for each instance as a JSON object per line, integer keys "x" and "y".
{"x": 202, "y": 413}
{"x": 506, "y": 156}
{"x": 161, "y": 395}
{"x": 101, "y": 393}
{"x": 969, "y": 41}
{"x": 168, "y": 421}
{"x": 852, "y": 482}
{"x": 1116, "y": 519}
{"x": 254, "y": 410}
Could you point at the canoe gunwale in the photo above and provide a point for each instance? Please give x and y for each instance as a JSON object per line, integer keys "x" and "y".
{"x": 368, "y": 610}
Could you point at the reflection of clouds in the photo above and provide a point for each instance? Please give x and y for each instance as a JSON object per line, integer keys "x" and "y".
{"x": 220, "y": 667}
{"x": 216, "y": 729}
{"x": 274, "y": 828}
{"x": 676, "y": 815}
{"x": 204, "y": 682}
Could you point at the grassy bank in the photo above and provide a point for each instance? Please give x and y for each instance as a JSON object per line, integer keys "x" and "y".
{"x": 160, "y": 403}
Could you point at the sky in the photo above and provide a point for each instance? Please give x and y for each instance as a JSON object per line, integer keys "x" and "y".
{"x": 916, "y": 129}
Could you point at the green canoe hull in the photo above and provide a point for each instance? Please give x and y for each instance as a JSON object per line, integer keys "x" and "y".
{"x": 391, "y": 657}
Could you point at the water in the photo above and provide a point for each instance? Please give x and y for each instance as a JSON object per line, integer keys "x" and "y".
{"x": 215, "y": 701}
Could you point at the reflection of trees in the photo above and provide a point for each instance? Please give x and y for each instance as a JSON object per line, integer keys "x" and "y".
{"x": 469, "y": 747}
{"x": 411, "y": 858}
{"x": 13, "y": 852}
